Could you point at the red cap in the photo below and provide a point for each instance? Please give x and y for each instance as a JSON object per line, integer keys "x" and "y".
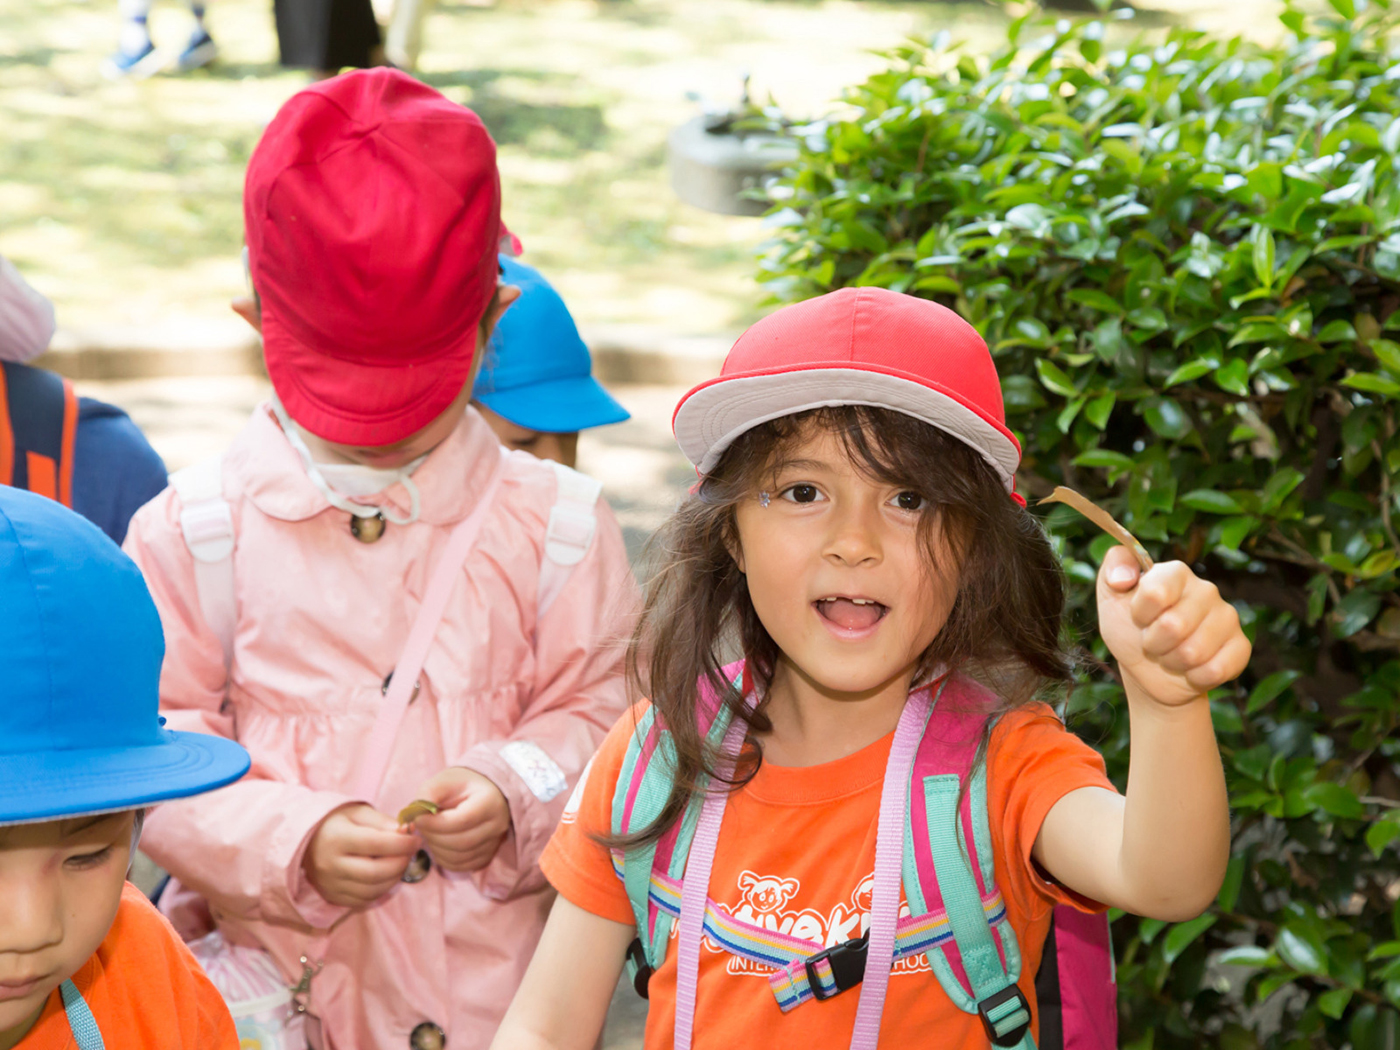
{"x": 858, "y": 346}
{"x": 372, "y": 211}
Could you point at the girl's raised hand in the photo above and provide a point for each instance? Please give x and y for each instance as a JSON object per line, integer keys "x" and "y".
{"x": 1170, "y": 631}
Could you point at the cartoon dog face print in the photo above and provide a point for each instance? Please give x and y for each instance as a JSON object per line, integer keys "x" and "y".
{"x": 863, "y": 896}
{"x": 765, "y": 893}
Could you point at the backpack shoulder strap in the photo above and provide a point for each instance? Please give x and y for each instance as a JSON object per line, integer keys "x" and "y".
{"x": 38, "y": 431}
{"x": 573, "y": 520}
{"x": 643, "y": 786}
{"x": 206, "y": 520}
{"x": 948, "y": 866}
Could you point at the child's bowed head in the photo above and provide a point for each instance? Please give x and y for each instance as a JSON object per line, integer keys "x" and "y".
{"x": 372, "y": 213}
{"x": 82, "y": 750}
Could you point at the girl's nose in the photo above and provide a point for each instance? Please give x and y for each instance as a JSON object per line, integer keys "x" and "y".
{"x": 855, "y": 534}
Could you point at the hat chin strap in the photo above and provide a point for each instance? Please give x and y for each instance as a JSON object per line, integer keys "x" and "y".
{"x": 399, "y": 476}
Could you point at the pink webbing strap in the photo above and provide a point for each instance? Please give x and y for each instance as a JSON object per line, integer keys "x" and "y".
{"x": 889, "y": 850}
{"x": 420, "y": 639}
{"x": 696, "y": 886}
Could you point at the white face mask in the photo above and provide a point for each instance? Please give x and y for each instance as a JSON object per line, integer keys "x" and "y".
{"x": 336, "y": 481}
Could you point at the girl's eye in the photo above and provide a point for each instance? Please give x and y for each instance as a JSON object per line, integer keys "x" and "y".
{"x": 802, "y": 494}
{"x": 84, "y": 861}
{"x": 911, "y": 501}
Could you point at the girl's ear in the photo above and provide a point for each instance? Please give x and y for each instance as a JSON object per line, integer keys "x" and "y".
{"x": 735, "y": 548}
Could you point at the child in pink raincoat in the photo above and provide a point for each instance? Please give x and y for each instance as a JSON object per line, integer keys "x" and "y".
{"x": 372, "y": 211}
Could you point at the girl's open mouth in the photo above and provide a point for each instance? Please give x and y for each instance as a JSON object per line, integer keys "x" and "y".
{"x": 851, "y": 614}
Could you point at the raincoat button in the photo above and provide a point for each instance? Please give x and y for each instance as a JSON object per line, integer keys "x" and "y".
{"x": 417, "y": 871}
{"x": 367, "y": 530}
{"x": 427, "y": 1036}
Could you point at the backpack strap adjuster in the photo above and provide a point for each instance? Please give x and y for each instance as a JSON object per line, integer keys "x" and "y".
{"x": 1006, "y": 1015}
{"x": 641, "y": 969}
{"x": 846, "y": 962}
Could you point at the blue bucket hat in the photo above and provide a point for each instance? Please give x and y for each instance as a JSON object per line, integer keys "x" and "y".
{"x": 537, "y": 372}
{"x": 79, "y": 732}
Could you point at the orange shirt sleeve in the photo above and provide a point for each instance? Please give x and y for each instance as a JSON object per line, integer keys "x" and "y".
{"x": 1033, "y": 761}
{"x": 574, "y": 862}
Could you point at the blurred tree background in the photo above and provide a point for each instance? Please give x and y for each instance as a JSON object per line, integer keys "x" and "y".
{"x": 1185, "y": 255}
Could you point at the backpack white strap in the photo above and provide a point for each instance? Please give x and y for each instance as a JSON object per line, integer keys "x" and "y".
{"x": 206, "y": 519}
{"x": 573, "y": 521}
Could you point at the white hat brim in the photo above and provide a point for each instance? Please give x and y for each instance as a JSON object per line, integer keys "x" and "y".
{"x": 711, "y": 417}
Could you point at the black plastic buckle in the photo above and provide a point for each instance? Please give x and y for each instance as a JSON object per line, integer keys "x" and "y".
{"x": 990, "y": 1003}
{"x": 642, "y": 978}
{"x": 847, "y": 966}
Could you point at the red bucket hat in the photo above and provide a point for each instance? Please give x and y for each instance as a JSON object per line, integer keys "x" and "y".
{"x": 372, "y": 212}
{"x": 858, "y": 346}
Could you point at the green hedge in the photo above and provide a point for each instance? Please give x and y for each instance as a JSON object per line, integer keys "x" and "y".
{"x": 1185, "y": 254}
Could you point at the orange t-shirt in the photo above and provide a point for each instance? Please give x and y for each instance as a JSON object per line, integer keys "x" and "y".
{"x": 797, "y": 848}
{"x": 144, "y": 989}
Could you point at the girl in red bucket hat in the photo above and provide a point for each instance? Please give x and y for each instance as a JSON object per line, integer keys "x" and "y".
{"x": 414, "y": 633}
{"x": 869, "y": 809}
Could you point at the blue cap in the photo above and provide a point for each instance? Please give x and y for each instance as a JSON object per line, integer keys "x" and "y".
{"x": 79, "y": 729}
{"x": 537, "y": 372}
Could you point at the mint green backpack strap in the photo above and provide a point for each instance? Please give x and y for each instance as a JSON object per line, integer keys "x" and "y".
{"x": 650, "y": 770}
{"x": 944, "y": 876}
{"x": 995, "y": 995}
{"x": 636, "y": 863}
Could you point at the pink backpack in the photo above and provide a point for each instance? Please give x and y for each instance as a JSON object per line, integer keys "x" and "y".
{"x": 933, "y": 804}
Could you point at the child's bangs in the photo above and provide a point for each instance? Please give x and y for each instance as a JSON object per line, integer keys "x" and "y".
{"x": 882, "y": 445}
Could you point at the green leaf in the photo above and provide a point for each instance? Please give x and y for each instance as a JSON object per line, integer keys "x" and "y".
{"x": 1372, "y": 384}
{"x": 1355, "y": 611}
{"x": 1212, "y": 501}
{"x": 1253, "y": 761}
{"x": 1180, "y": 936}
{"x": 1337, "y": 332}
{"x": 1317, "y": 597}
{"x": 1334, "y": 1003}
{"x": 1301, "y": 949}
{"x": 1102, "y": 457}
{"x": 1095, "y": 299}
{"x": 1100, "y": 408}
{"x": 1387, "y": 353}
{"x": 1166, "y": 417}
{"x": 1233, "y": 531}
{"x": 1267, "y": 691}
{"x": 1054, "y": 377}
{"x": 1192, "y": 370}
{"x": 1234, "y": 377}
{"x": 1261, "y": 240}
{"x": 1230, "y": 887}
{"x": 1067, "y": 414}
{"x": 1335, "y": 799}
{"x": 1148, "y": 318}
{"x": 1246, "y": 955}
{"x": 1278, "y": 488}
{"x": 1380, "y": 835}
{"x": 1107, "y": 340}
{"x": 1020, "y": 394}
{"x": 1149, "y": 928}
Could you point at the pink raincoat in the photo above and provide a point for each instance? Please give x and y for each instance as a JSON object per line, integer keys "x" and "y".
{"x": 321, "y": 619}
